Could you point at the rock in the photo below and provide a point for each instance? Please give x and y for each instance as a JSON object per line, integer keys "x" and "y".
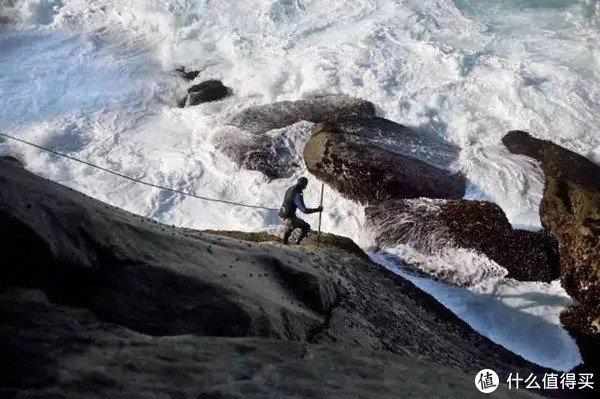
{"x": 149, "y": 277}
{"x": 432, "y": 226}
{"x": 270, "y": 138}
{"x": 57, "y": 351}
{"x": 141, "y": 276}
{"x": 325, "y": 240}
{"x": 329, "y": 107}
{"x": 187, "y": 74}
{"x": 277, "y": 153}
{"x": 372, "y": 168}
{"x": 13, "y": 159}
{"x": 182, "y": 102}
{"x": 570, "y": 212}
{"x": 209, "y": 90}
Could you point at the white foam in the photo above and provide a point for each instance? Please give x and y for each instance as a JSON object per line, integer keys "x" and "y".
{"x": 522, "y": 317}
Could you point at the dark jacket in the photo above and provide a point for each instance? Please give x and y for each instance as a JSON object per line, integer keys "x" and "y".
{"x": 293, "y": 200}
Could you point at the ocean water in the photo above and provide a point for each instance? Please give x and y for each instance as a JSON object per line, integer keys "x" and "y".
{"x": 95, "y": 79}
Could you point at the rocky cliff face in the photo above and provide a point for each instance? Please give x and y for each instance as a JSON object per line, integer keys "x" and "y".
{"x": 121, "y": 303}
{"x": 570, "y": 212}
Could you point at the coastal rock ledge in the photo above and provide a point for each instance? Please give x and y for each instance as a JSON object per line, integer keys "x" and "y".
{"x": 99, "y": 301}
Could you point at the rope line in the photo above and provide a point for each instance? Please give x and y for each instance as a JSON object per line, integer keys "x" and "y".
{"x": 188, "y": 194}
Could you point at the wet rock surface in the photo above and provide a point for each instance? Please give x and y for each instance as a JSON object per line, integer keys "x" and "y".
{"x": 110, "y": 275}
{"x": 270, "y": 138}
{"x": 323, "y": 108}
{"x": 365, "y": 165}
{"x": 570, "y": 212}
{"x": 57, "y": 351}
{"x": 276, "y": 153}
{"x": 187, "y": 74}
{"x": 431, "y": 225}
{"x": 209, "y": 90}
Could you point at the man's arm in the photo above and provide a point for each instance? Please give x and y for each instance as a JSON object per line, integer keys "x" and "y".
{"x": 299, "y": 201}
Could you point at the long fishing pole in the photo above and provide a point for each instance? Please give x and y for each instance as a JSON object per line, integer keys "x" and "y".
{"x": 320, "y": 214}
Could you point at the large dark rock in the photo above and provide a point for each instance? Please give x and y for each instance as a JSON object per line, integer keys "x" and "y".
{"x": 209, "y": 90}
{"x": 431, "y": 226}
{"x": 150, "y": 277}
{"x": 56, "y": 351}
{"x": 13, "y": 159}
{"x": 277, "y": 153}
{"x": 320, "y": 108}
{"x": 570, "y": 212}
{"x": 270, "y": 138}
{"x": 187, "y": 74}
{"x": 159, "y": 280}
{"x": 375, "y": 160}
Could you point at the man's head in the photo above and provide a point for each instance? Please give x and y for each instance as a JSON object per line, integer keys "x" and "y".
{"x": 302, "y": 183}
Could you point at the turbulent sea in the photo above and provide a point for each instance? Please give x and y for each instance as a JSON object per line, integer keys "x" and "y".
{"x": 94, "y": 79}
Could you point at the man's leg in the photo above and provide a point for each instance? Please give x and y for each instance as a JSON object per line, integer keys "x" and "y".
{"x": 305, "y": 228}
{"x": 289, "y": 228}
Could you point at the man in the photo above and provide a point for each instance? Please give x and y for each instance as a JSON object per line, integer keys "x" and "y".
{"x": 294, "y": 200}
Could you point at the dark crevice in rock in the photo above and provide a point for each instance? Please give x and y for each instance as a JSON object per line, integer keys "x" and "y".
{"x": 562, "y": 192}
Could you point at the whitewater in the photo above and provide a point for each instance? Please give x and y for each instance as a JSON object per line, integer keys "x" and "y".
{"x": 95, "y": 79}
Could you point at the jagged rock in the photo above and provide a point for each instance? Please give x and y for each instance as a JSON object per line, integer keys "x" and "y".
{"x": 570, "y": 212}
{"x": 429, "y": 226}
{"x": 209, "y": 90}
{"x": 160, "y": 280}
{"x": 371, "y": 168}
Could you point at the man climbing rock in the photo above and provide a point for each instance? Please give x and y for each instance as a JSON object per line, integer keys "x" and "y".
{"x": 294, "y": 200}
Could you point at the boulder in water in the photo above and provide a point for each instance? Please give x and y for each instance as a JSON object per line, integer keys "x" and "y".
{"x": 270, "y": 138}
{"x": 570, "y": 212}
{"x": 276, "y": 153}
{"x": 187, "y": 74}
{"x": 318, "y": 108}
{"x": 432, "y": 226}
{"x": 365, "y": 165}
{"x": 209, "y": 90}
